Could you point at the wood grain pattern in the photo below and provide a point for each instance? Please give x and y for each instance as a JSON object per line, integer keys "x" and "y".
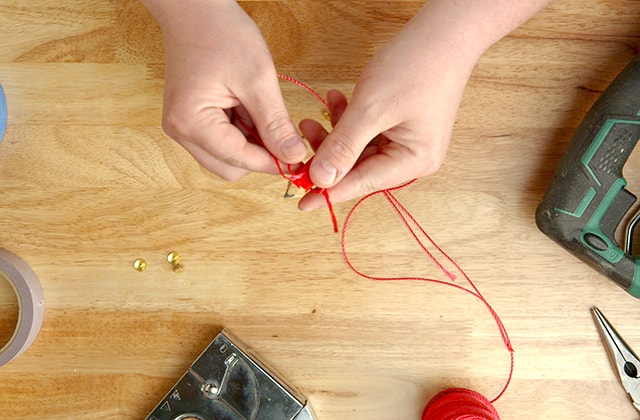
{"x": 90, "y": 183}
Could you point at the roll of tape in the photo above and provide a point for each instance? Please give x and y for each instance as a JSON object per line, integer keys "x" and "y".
{"x": 30, "y": 304}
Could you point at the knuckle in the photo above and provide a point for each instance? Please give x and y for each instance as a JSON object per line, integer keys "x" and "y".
{"x": 176, "y": 123}
{"x": 228, "y": 169}
{"x": 232, "y": 176}
{"x": 368, "y": 188}
{"x": 232, "y": 161}
{"x": 262, "y": 68}
{"x": 430, "y": 167}
{"x": 343, "y": 148}
{"x": 365, "y": 184}
{"x": 430, "y": 161}
{"x": 278, "y": 124}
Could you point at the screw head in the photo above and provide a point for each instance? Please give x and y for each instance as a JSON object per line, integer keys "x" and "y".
{"x": 139, "y": 264}
{"x": 210, "y": 390}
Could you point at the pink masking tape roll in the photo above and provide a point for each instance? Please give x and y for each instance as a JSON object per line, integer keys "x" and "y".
{"x": 30, "y": 304}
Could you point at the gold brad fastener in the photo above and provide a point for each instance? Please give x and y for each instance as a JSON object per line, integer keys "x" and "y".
{"x": 139, "y": 264}
{"x": 174, "y": 259}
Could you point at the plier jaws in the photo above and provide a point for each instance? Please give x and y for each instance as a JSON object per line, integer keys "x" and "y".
{"x": 624, "y": 360}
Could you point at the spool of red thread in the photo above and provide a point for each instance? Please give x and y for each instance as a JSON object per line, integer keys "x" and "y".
{"x": 459, "y": 404}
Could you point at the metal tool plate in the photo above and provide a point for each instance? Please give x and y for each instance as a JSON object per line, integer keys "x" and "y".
{"x": 226, "y": 382}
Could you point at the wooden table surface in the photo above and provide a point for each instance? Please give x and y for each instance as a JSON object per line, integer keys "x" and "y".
{"x": 89, "y": 183}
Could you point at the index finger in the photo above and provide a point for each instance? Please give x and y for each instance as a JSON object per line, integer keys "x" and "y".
{"x": 214, "y": 134}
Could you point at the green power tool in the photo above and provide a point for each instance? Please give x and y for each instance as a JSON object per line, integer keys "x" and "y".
{"x": 587, "y": 199}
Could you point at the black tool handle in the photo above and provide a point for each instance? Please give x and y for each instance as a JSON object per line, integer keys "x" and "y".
{"x": 586, "y": 199}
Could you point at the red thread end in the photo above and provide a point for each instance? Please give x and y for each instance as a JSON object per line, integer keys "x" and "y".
{"x": 302, "y": 179}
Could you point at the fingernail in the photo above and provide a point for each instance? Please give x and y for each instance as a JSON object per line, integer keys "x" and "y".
{"x": 293, "y": 149}
{"x": 305, "y": 207}
{"x": 324, "y": 172}
{"x": 309, "y": 203}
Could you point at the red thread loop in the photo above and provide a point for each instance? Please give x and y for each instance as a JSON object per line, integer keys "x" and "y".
{"x": 460, "y": 404}
{"x": 300, "y": 178}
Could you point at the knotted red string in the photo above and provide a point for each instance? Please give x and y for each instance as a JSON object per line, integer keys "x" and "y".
{"x": 452, "y": 403}
{"x": 300, "y": 177}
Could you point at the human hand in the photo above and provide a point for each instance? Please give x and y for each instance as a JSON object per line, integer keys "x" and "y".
{"x": 406, "y": 100}
{"x": 220, "y": 80}
{"x": 397, "y": 126}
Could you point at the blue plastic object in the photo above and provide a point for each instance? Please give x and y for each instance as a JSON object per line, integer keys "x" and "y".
{"x": 3, "y": 113}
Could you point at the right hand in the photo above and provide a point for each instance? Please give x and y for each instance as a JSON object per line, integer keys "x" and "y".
{"x": 399, "y": 122}
{"x": 219, "y": 70}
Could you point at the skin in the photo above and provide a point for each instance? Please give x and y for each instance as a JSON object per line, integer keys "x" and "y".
{"x": 396, "y": 127}
{"x": 211, "y": 83}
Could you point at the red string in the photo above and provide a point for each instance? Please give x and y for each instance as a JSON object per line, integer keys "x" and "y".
{"x": 306, "y": 87}
{"x": 458, "y": 401}
{"x": 300, "y": 178}
{"x": 452, "y": 403}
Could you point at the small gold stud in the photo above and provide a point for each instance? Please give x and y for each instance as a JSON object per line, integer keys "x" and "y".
{"x": 139, "y": 264}
{"x": 174, "y": 259}
{"x": 326, "y": 115}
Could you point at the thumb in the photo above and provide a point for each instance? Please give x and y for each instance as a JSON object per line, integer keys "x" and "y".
{"x": 266, "y": 107}
{"x": 343, "y": 146}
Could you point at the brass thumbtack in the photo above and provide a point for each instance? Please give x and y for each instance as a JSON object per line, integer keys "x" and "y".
{"x": 139, "y": 264}
{"x": 174, "y": 259}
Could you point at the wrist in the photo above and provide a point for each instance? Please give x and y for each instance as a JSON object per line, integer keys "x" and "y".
{"x": 468, "y": 28}
{"x": 186, "y": 12}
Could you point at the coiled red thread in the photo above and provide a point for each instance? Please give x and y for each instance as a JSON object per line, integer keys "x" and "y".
{"x": 452, "y": 403}
{"x": 460, "y": 404}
